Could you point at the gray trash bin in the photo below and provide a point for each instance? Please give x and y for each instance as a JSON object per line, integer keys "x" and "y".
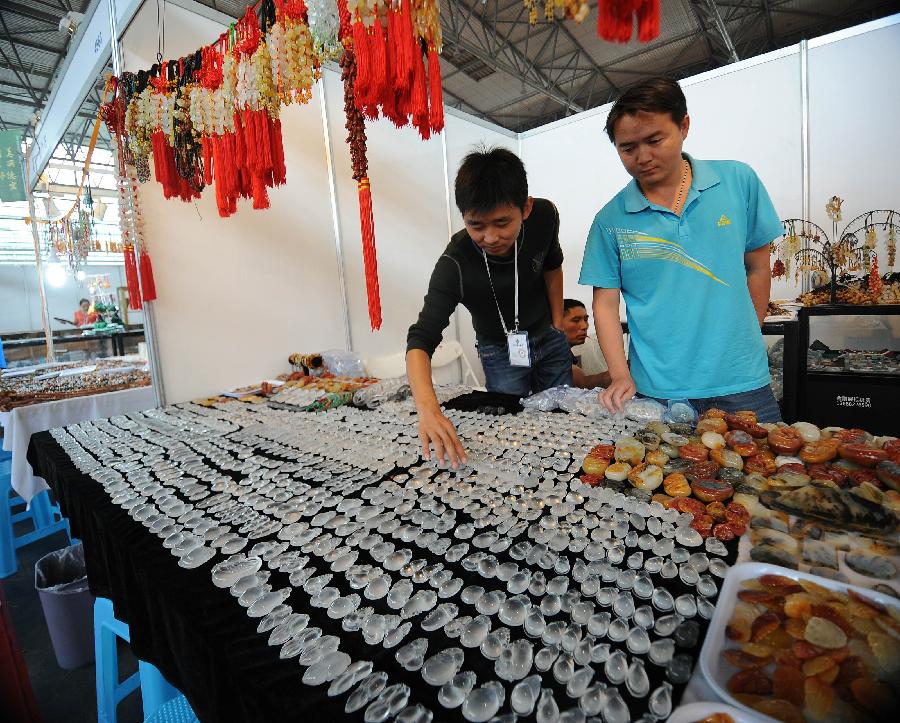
{"x": 61, "y": 582}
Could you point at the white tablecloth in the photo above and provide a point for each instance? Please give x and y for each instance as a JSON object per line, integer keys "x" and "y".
{"x": 20, "y": 423}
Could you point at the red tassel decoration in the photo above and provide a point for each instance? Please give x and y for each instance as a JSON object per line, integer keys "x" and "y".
{"x": 131, "y": 279}
{"x": 240, "y": 160}
{"x": 409, "y": 44}
{"x": 160, "y": 166}
{"x": 370, "y": 257}
{"x": 260, "y": 195}
{"x": 419, "y": 99}
{"x": 279, "y": 171}
{"x": 389, "y": 99}
{"x": 615, "y": 19}
{"x": 435, "y": 93}
{"x": 648, "y": 20}
{"x": 207, "y": 160}
{"x": 363, "y": 63}
{"x": 400, "y": 60}
{"x": 378, "y": 80}
{"x": 148, "y": 285}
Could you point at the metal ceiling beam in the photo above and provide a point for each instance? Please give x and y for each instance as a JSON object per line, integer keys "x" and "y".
{"x": 714, "y": 29}
{"x": 28, "y": 71}
{"x": 496, "y": 52}
{"x": 33, "y": 13}
{"x": 14, "y": 39}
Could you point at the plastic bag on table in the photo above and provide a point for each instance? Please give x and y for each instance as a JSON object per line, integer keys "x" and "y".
{"x": 545, "y": 401}
{"x": 387, "y": 390}
{"x": 343, "y": 363}
{"x": 641, "y": 409}
{"x": 572, "y": 399}
{"x": 680, "y": 411}
{"x": 62, "y": 571}
{"x": 590, "y": 405}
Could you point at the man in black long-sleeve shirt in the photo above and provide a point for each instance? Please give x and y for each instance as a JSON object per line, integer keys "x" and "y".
{"x": 505, "y": 267}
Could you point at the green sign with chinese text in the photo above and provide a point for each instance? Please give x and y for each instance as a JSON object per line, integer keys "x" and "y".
{"x": 11, "y": 186}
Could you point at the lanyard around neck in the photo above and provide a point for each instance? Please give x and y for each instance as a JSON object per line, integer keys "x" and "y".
{"x": 515, "y": 285}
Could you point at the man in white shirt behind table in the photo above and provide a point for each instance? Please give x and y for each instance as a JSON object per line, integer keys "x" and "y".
{"x": 588, "y": 365}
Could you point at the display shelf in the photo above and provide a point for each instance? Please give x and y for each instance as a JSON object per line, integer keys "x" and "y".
{"x": 848, "y": 396}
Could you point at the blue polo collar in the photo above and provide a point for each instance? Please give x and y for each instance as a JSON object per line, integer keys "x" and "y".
{"x": 703, "y": 177}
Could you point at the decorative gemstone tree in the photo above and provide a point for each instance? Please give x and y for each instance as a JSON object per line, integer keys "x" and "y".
{"x": 809, "y": 248}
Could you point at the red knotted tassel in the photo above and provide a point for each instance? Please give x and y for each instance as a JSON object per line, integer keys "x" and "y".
{"x": 263, "y": 122}
{"x": 378, "y": 80}
{"x": 279, "y": 171}
{"x": 402, "y": 71}
{"x": 238, "y": 134}
{"x": 207, "y": 160}
{"x": 435, "y": 94}
{"x": 419, "y": 100}
{"x": 148, "y": 285}
{"x": 615, "y": 19}
{"x": 160, "y": 161}
{"x": 251, "y": 150}
{"x": 648, "y": 20}
{"x": 370, "y": 257}
{"x": 260, "y": 195}
{"x": 407, "y": 38}
{"x": 403, "y": 103}
{"x": 363, "y": 63}
{"x": 131, "y": 279}
{"x": 389, "y": 98}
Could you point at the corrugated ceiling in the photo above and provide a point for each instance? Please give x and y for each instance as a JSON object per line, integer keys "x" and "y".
{"x": 495, "y": 65}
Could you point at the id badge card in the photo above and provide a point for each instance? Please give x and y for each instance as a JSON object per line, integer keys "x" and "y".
{"x": 519, "y": 355}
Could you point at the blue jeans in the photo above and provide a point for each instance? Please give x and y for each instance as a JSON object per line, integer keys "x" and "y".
{"x": 551, "y": 365}
{"x": 762, "y": 401}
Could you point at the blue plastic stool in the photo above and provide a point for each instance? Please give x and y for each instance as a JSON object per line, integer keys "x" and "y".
{"x": 161, "y": 701}
{"x": 46, "y": 518}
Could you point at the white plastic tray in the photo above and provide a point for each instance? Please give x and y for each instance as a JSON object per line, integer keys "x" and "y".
{"x": 693, "y": 712}
{"x": 715, "y": 668}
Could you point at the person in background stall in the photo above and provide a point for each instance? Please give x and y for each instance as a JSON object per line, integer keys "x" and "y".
{"x": 686, "y": 242}
{"x": 505, "y": 267}
{"x": 588, "y": 366}
{"x": 85, "y": 315}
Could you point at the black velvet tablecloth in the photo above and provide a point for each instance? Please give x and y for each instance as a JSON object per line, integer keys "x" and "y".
{"x": 206, "y": 645}
{"x": 195, "y": 633}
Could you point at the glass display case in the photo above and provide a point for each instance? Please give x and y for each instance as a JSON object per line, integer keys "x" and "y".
{"x": 850, "y": 367}
{"x": 782, "y": 354}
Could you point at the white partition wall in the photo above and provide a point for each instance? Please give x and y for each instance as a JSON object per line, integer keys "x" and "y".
{"x": 572, "y": 163}
{"x": 237, "y": 295}
{"x": 751, "y": 112}
{"x": 409, "y": 205}
{"x": 854, "y": 128}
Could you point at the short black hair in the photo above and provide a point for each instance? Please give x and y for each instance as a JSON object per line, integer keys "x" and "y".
{"x": 83, "y": 300}
{"x": 488, "y": 178}
{"x": 571, "y": 304}
{"x": 659, "y": 94}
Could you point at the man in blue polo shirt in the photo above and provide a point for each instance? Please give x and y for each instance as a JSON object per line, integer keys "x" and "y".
{"x": 687, "y": 244}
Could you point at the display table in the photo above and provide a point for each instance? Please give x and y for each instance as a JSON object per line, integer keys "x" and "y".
{"x": 206, "y": 645}
{"x": 21, "y": 423}
{"x": 115, "y": 340}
